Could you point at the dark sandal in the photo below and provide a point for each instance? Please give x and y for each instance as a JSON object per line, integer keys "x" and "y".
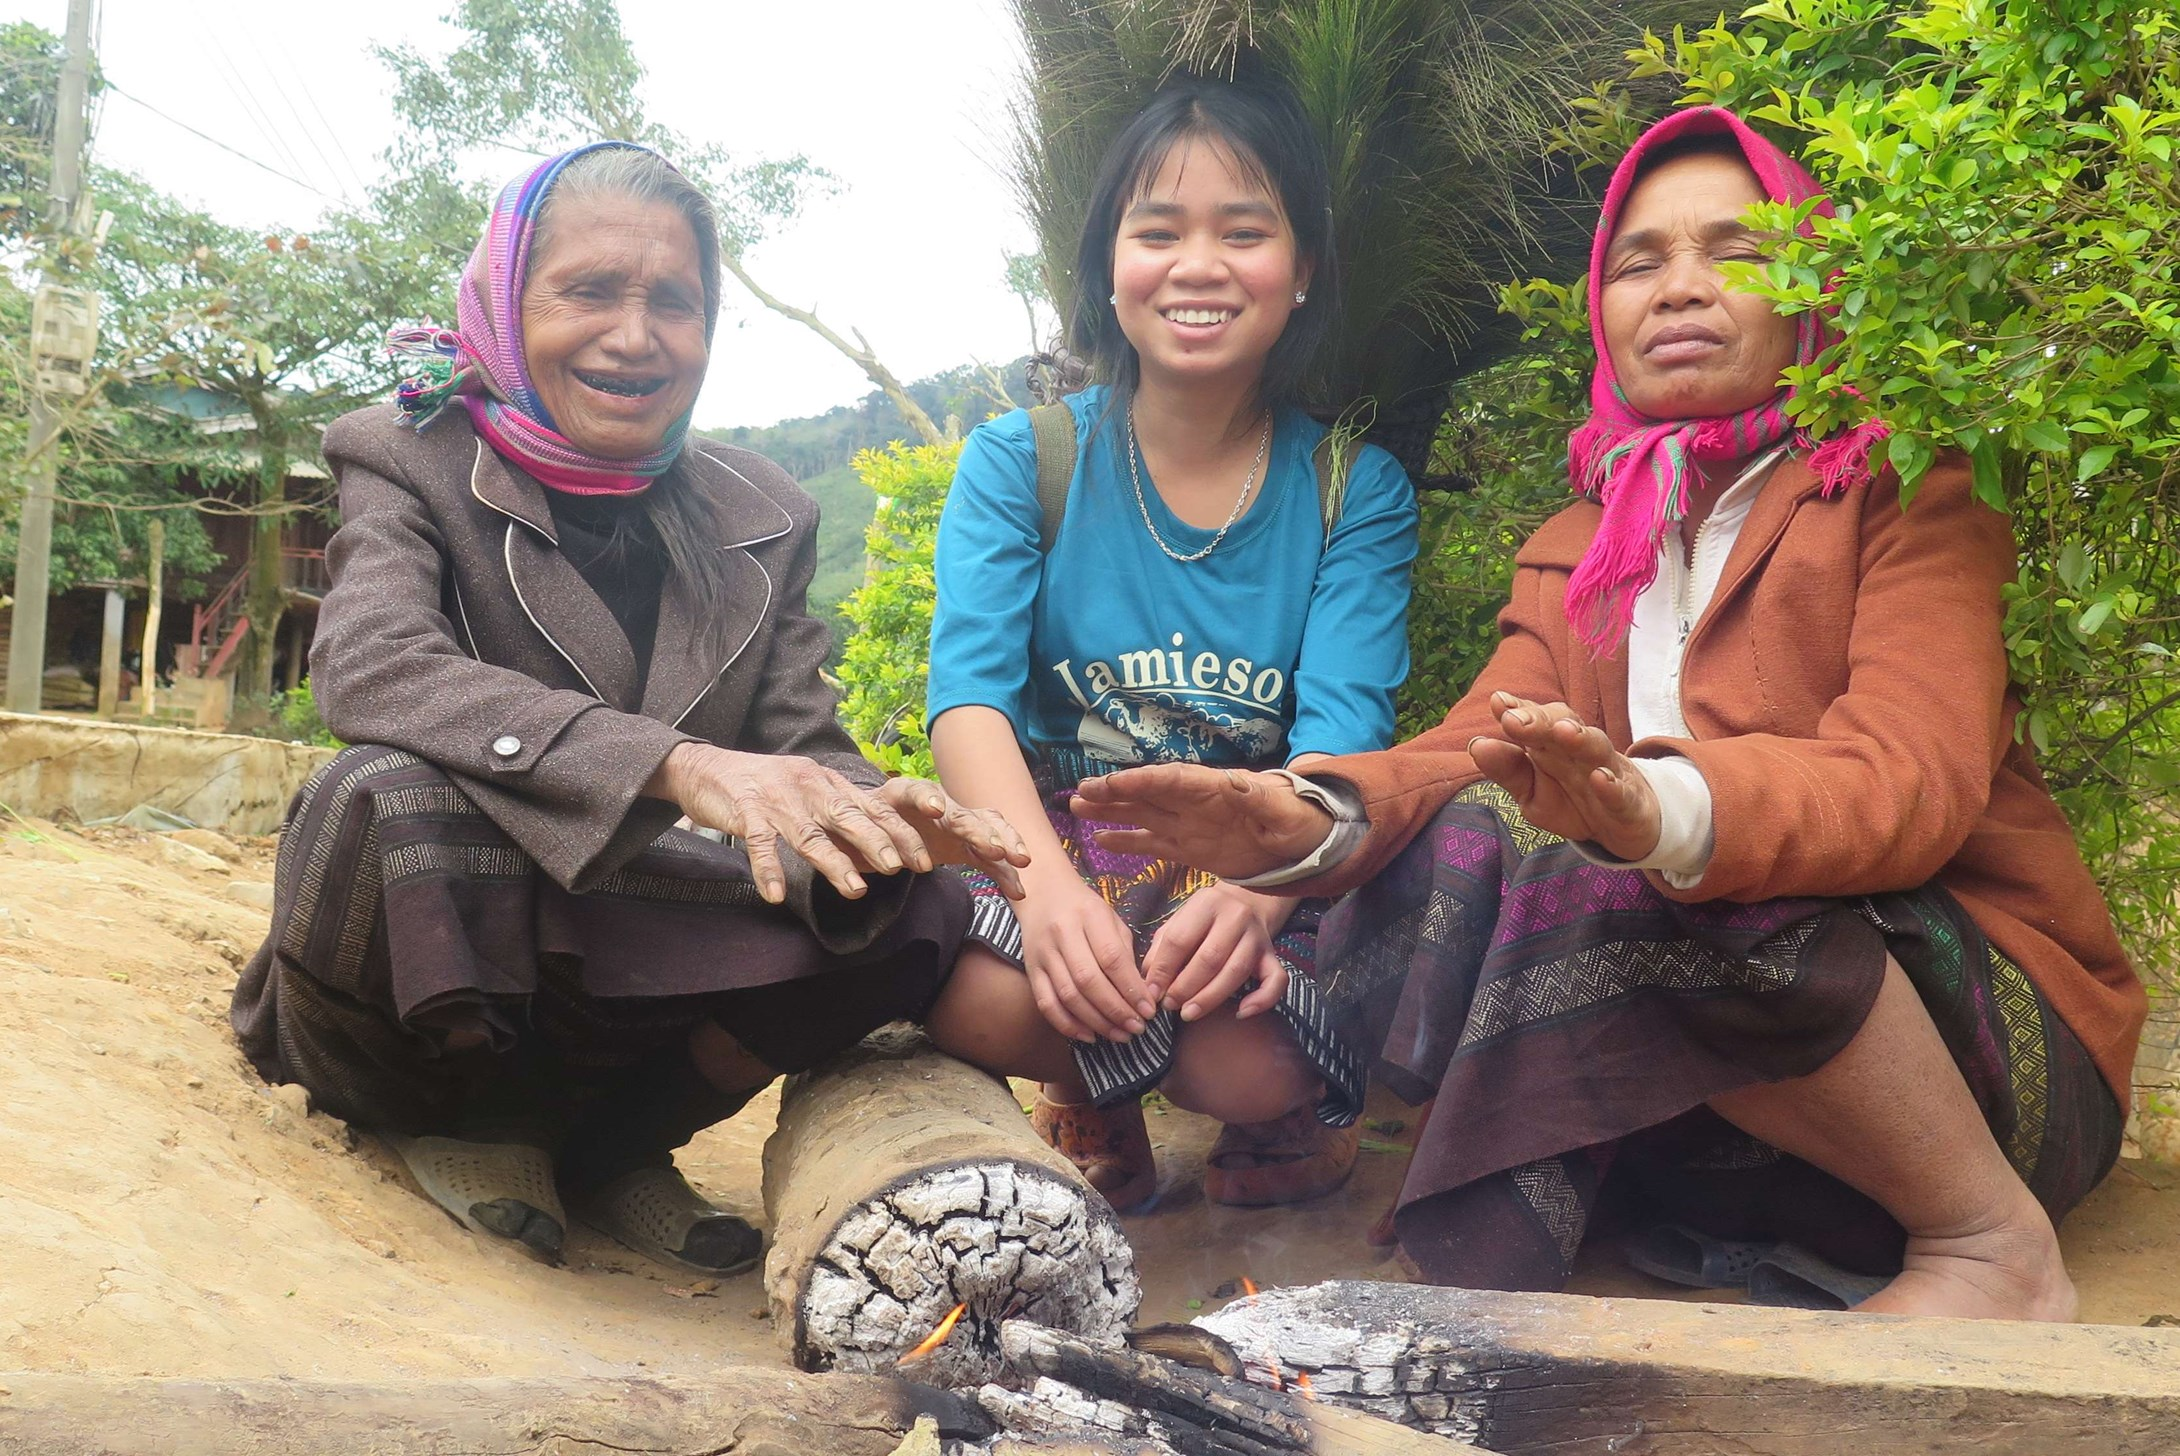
{"x": 655, "y": 1212}
{"x": 1790, "y": 1277}
{"x": 1286, "y": 1160}
{"x": 1109, "y": 1146}
{"x": 1682, "y": 1255}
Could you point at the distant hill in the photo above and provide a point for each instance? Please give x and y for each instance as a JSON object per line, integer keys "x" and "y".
{"x": 846, "y": 506}
{"x": 817, "y": 449}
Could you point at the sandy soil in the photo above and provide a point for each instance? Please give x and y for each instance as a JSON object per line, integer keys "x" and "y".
{"x": 163, "y": 1213}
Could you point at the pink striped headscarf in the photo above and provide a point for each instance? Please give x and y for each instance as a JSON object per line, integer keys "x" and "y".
{"x": 1639, "y": 467}
{"x": 482, "y": 365}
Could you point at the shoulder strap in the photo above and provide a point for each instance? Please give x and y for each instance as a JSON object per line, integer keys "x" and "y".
{"x": 1053, "y": 427}
{"x": 1332, "y": 464}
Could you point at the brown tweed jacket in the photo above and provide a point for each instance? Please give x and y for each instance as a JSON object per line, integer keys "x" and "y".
{"x": 457, "y": 630}
{"x": 1848, "y": 695}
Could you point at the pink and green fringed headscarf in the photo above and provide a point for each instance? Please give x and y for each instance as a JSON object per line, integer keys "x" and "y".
{"x": 479, "y": 363}
{"x": 1638, "y": 467}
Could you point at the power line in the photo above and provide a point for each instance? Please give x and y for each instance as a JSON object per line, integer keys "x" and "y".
{"x": 271, "y": 74}
{"x": 215, "y": 141}
{"x": 247, "y": 102}
{"x": 310, "y": 94}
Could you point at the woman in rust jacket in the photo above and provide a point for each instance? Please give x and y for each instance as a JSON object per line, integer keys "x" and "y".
{"x": 557, "y": 626}
{"x": 1725, "y": 901}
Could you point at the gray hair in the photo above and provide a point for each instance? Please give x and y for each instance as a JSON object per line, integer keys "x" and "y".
{"x": 638, "y": 175}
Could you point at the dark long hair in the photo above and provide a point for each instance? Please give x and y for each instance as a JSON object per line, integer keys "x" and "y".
{"x": 1257, "y": 119}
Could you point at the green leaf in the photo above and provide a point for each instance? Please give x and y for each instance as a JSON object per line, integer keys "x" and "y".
{"x": 2073, "y": 566}
{"x": 2094, "y": 460}
{"x": 1909, "y": 455}
{"x": 2047, "y": 435}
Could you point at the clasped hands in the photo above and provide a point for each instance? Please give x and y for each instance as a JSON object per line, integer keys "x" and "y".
{"x": 844, "y": 830}
{"x": 1080, "y": 958}
{"x": 1564, "y": 774}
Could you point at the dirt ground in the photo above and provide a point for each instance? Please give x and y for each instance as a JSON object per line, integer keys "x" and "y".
{"x": 162, "y": 1213}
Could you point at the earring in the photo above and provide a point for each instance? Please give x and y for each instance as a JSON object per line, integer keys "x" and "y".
{"x": 1300, "y": 298}
{"x": 1114, "y": 300}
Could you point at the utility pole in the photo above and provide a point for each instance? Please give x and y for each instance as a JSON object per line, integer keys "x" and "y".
{"x": 34, "y": 541}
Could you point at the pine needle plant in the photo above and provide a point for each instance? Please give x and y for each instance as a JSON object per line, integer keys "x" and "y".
{"x": 1440, "y": 118}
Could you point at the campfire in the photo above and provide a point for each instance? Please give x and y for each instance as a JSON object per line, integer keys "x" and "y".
{"x": 921, "y": 1230}
{"x": 1165, "y": 1390}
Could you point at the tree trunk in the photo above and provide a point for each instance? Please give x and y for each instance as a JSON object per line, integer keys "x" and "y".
{"x": 1573, "y": 1376}
{"x": 747, "y": 1411}
{"x": 901, "y": 1183}
{"x": 265, "y": 599}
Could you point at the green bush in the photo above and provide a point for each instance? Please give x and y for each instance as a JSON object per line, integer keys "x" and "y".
{"x": 886, "y": 662}
{"x": 296, "y": 714}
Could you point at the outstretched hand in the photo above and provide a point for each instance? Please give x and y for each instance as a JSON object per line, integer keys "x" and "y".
{"x": 1232, "y": 822}
{"x": 845, "y": 831}
{"x": 1568, "y": 778}
{"x": 953, "y": 833}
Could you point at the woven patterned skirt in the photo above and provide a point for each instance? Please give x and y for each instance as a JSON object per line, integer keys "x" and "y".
{"x": 1572, "y": 1022}
{"x": 1145, "y": 893}
{"x": 423, "y": 973}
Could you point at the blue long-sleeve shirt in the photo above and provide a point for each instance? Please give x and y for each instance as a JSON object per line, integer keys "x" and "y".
{"x": 1278, "y": 643}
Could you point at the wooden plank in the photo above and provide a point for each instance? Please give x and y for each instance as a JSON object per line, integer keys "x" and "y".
{"x": 1573, "y": 1375}
{"x": 750, "y": 1412}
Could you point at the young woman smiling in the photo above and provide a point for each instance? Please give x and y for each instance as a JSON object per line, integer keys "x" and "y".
{"x": 1197, "y": 602}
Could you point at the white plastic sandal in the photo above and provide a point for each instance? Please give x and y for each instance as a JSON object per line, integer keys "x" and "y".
{"x": 502, "y": 1189}
{"x": 655, "y": 1212}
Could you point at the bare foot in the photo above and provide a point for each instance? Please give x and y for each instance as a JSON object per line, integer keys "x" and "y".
{"x": 2013, "y": 1271}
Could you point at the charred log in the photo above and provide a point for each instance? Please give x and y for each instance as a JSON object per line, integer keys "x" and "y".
{"x": 901, "y": 1183}
{"x": 1573, "y": 1376}
{"x": 1199, "y": 1412}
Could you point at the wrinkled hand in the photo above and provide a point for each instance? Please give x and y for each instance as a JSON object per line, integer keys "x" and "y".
{"x": 1080, "y": 958}
{"x": 1568, "y": 778}
{"x": 953, "y": 833}
{"x": 1209, "y": 948}
{"x": 1231, "y": 822}
{"x": 844, "y": 830}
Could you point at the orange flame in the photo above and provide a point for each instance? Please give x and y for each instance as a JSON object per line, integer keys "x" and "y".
{"x": 938, "y": 1336}
{"x": 1302, "y": 1384}
{"x": 1248, "y": 1285}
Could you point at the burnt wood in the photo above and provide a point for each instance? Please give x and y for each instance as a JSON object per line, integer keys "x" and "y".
{"x": 900, "y": 1183}
{"x": 1578, "y": 1376}
{"x": 1203, "y": 1413}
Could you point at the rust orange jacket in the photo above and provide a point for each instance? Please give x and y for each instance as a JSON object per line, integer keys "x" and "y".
{"x": 1848, "y": 695}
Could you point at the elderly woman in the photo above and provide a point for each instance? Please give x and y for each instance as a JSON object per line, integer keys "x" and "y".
{"x": 562, "y": 626}
{"x": 1728, "y": 877}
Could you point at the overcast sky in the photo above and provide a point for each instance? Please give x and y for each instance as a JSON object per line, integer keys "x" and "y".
{"x": 904, "y": 102}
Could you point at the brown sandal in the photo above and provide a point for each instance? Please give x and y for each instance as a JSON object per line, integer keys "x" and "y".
{"x": 1109, "y": 1146}
{"x": 1286, "y": 1160}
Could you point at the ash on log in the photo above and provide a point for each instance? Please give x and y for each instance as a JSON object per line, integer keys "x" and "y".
{"x": 901, "y": 1183}
{"x": 1195, "y": 1412}
{"x": 1574, "y": 1375}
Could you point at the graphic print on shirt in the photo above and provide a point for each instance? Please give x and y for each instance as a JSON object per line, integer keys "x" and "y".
{"x": 1171, "y": 703}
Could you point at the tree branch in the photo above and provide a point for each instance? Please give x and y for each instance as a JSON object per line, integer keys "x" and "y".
{"x": 859, "y": 353}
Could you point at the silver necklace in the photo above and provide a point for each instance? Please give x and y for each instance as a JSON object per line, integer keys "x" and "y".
{"x": 1135, "y": 477}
